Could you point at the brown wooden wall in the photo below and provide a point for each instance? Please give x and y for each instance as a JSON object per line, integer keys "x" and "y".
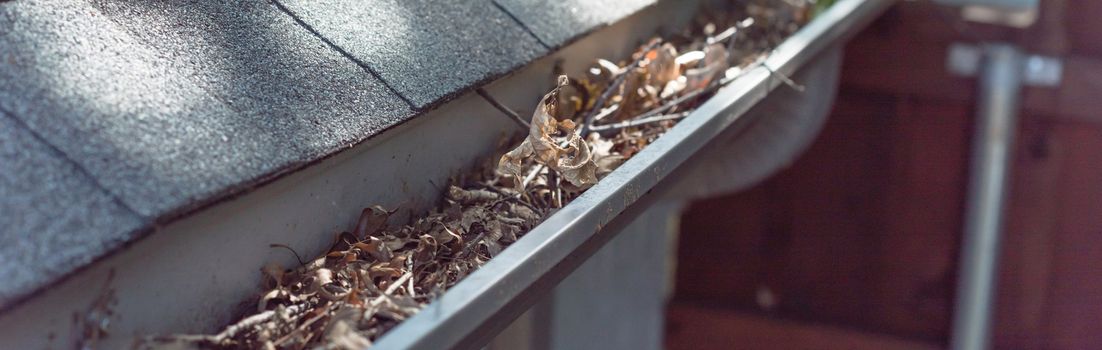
{"x": 863, "y": 231}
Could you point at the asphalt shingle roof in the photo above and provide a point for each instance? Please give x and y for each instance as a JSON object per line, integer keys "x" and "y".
{"x": 82, "y": 217}
{"x": 118, "y": 115}
{"x": 557, "y": 22}
{"x": 426, "y": 49}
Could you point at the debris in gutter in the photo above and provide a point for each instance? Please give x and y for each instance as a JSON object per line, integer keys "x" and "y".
{"x": 376, "y": 276}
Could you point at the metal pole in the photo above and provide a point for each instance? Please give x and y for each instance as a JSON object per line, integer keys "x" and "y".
{"x": 991, "y": 155}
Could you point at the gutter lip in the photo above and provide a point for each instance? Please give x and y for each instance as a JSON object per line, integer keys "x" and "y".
{"x": 483, "y": 303}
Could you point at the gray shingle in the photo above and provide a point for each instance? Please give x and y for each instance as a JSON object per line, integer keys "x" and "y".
{"x": 164, "y": 106}
{"x": 132, "y": 119}
{"x": 427, "y": 50}
{"x": 53, "y": 217}
{"x": 257, "y": 59}
{"x": 558, "y": 22}
{"x": 164, "y": 130}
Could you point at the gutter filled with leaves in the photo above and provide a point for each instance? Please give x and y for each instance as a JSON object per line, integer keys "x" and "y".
{"x": 376, "y": 276}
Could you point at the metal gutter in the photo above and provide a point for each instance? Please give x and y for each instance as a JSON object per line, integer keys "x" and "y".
{"x": 486, "y": 301}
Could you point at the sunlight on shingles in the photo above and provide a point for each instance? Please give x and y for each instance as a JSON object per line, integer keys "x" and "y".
{"x": 133, "y": 84}
{"x": 426, "y": 50}
{"x": 280, "y": 77}
{"x": 389, "y": 20}
{"x": 115, "y": 106}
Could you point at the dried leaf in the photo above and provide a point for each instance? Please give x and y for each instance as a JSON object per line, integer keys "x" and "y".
{"x": 371, "y": 221}
{"x": 713, "y": 66}
{"x": 576, "y": 164}
{"x": 573, "y": 161}
{"x": 605, "y": 160}
{"x": 375, "y": 248}
{"x": 342, "y": 333}
{"x": 662, "y": 66}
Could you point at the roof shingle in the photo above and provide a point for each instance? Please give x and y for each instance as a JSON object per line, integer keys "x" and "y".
{"x": 558, "y": 22}
{"x": 131, "y": 118}
{"x": 260, "y": 62}
{"x": 82, "y": 222}
{"x": 427, "y": 50}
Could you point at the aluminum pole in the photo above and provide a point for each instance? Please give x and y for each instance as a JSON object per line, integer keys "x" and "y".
{"x": 1000, "y": 83}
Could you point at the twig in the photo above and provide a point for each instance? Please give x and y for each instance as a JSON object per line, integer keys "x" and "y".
{"x": 606, "y": 112}
{"x": 532, "y": 176}
{"x": 508, "y": 112}
{"x": 305, "y": 325}
{"x": 393, "y": 287}
{"x": 597, "y": 106}
{"x": 638, "y": 122}
{"x": 231, "y": 331}
{"x": 398, "y": 283}
{"x": 556, "y": 191}
{"x": 284, "y": 246}
{"x": 730, "y": 32}
{"x": 678, "y": 101}
{"x": 472, "y": 243}
{"x": 724, "y": 35}
{"x": 710, "y": 88}
{"x": 784, "y": 79}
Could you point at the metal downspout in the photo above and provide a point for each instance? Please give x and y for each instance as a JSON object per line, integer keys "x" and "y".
{"x": 1001, "y": 79}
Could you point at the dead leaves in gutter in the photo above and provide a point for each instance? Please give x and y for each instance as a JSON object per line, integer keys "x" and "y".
{"x": 379, "y": 274}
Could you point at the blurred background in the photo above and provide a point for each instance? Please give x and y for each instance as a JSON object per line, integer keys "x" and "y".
{"x": 856, "y": 245}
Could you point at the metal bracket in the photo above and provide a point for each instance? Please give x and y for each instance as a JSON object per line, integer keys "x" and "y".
{"x": 1036, "y": 70}
{"x": 1011, "y": 13}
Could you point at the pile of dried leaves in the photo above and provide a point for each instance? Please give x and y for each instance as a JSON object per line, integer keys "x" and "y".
{"x": 376, "y": 275}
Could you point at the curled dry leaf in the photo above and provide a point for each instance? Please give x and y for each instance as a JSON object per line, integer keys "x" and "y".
{"x": 371, "y": 221}
{"x": 573, "y": 160}
{"x": 575, "y": 163}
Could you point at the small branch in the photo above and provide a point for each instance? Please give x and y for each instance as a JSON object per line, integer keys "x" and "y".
{"x": 531, "y": 176}
{"x": 606, "y": 112}
{"x": 390, "y": 289}
{"x": 655, "y": 115}
{"x": 600, "y": 104}
{"x": 691, "y": 95}
{"x": 678, "y": 101}
{"x": 284, "y": 246}
{"x": 638, "y": 122}
{"x": 504, "y": 109}
{"x": 245, "y": 325}
{"x": 784, "y": 79}
{"x": 473, "y": 243}
{"x": 305, "y": 326}
{"x": 730, "y": 32}
{"x": 556, "y": 191}
{"x": 724, "y": 35}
